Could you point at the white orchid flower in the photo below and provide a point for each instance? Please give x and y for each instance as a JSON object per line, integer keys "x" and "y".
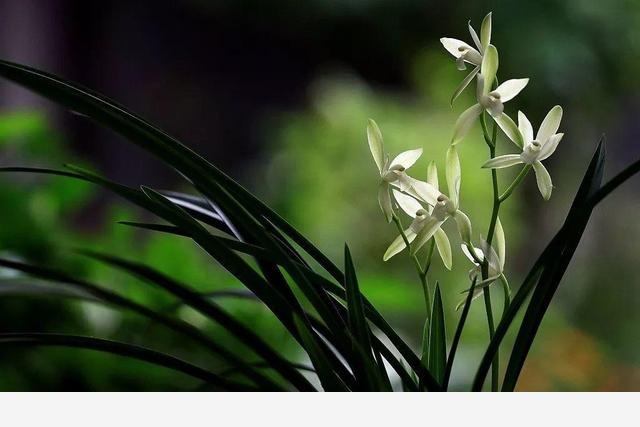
{"x": 464, "y": 53}
{"x": 489, "y": 100}
{"x": 534, "y": 151}
{"x": 394, "y": 172}
{"x": 427, "y": 221}
{"x": 495, "y": 259}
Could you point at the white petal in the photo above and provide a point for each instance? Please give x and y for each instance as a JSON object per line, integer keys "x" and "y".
{"x": 453, "y": 174}
{"x": 444, "y": 247}
{"x": 544, "y": 180}
{"x": 492, "y": 259}
{"x": 423, "y": 191}
{"x": 464, "y": 226}
{"x": 432, "y": 174}
{"x": 478, "y": 252}
{"x": 427, "y": 232}
{"x": 550, "y": 146}
{"x": 525, "y": 127}
{"x": 375, "y": 143}
{"x": 509, "y": 89}
{"x": 406, "y": 159}
{"x": 510, "y": 129}
{"x": 489, "y": 67}
{"x": 550, "y": 124}
{"x": 384, "y": 199}
{"x": 476, "y": 293}
{"x": 485, "y": 31}
{"x": 464, "y": 83}
{"x": 464, "y": 122}
{"x": 474, "y": 36}
{"x": 398, "y": 244}
{"x": 454, "y": 45}
{"x": 407, "y": 203}
{"x": 503, "y": 161}
{"x": 501, "y": 244}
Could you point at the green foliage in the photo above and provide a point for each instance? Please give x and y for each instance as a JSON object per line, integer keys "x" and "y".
{"x": 321, "y": 308}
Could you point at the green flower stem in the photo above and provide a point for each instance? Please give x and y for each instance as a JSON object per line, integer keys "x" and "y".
{"x": 523, "y": 173}
{"x": 491, "y": 142}
{"x": 421, "y": 273}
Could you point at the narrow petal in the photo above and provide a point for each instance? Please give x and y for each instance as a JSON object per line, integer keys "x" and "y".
{"x": 407, "y": 203}
{"x": 384, "y": 199}
{"x": 503, "y": 161}
{"x": 489, "y": 67}
{"x": 544, "y": 180}
{"x": 464, "y": 83}
{"x": 432, "y": 174}
{"x": 422, "y": 191}
{"x": 525, "y": 127}
{"x": 406, "y": 159}
{"x": 453, "y": 174}
{"x": 492, "y": 259}
{"x": 550, "y": 124}
{"x": 398, "y": 244}
{"x": 474, "y": 36}
{"x": 509, "y": 89}
{"x": 375, "y": 144}
{"x": 485, "y": 31}
{"x": 550, "y": 146}
{"x": 510, "y": 129}
{"x": 478, "y": 254}
{"x": 453, "y": 47}
{"x": 501, "y": 244}
{"x": 476, "y": 293}
{"x": 444, "y": 247}
{"x": 427, "y": 232}
{"x": 464, "y": 226}
{"x": 464, "y": 123}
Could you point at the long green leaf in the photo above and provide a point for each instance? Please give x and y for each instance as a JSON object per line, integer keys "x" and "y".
{"x": 571, "y": 230}
{"x": 122, "y": 349}
{"x": 456, "y": 337}
{"x": 86, "y": 289}
{"x": 437, "y": 338}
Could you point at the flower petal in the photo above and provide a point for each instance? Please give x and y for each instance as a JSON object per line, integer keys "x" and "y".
{"x": 474, "y": 37}
{"x": 432, "y": 174}
{"x": 464, "y": 226}
{"x": 489, "y": 67}
{"x": 444, "y": 247}
{"x": 375, "y": 144}
{"x": 384, "y": 199}
{"x": 464, "y": 83}
{"x": 503, "y": 161}
{"x": 509, "y": 89}
{"x": 485, "y": 31}
{"x": 454, "y": 46}
{"x": 398, "y": 244}
{"x": 550, "y": 146}
{"x": 550, "y": 124}
{"x": 453, "y": 174}
{"x": 430, "y": 227}
{"x": 478, "y": 253}
{"x": 464, "y": 123}
{"x": 501, "y": 245}
{"x": 544, "y": 180}
{"x": 421, "y": 190}
{"x": 510, "y": 129}
{"x": 407, "y": 203}
{"x": 525, "y": 127}
{"x": 406, "y": 159}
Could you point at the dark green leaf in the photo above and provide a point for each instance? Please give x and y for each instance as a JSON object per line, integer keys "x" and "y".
{"x": 437, "y": 338}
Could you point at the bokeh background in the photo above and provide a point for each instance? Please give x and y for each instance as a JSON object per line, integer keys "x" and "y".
{"x": 277, "y": 94}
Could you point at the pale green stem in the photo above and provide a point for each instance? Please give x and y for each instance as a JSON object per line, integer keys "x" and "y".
{"x": 523, "y": 173}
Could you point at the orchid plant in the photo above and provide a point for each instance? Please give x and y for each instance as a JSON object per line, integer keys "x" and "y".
{"x": 429, "y": 213}
{"x": 344, "y": 342}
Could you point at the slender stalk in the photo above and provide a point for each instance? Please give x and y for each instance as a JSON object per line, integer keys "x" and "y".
{"x": 523, "y": 173}
{"x": 421, "y": 273}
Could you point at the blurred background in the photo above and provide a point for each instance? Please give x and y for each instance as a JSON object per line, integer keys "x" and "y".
{"x": 277, "y": 94}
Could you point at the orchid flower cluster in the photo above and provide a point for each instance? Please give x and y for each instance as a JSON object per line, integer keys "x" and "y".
{"x": 427, "y": 206}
